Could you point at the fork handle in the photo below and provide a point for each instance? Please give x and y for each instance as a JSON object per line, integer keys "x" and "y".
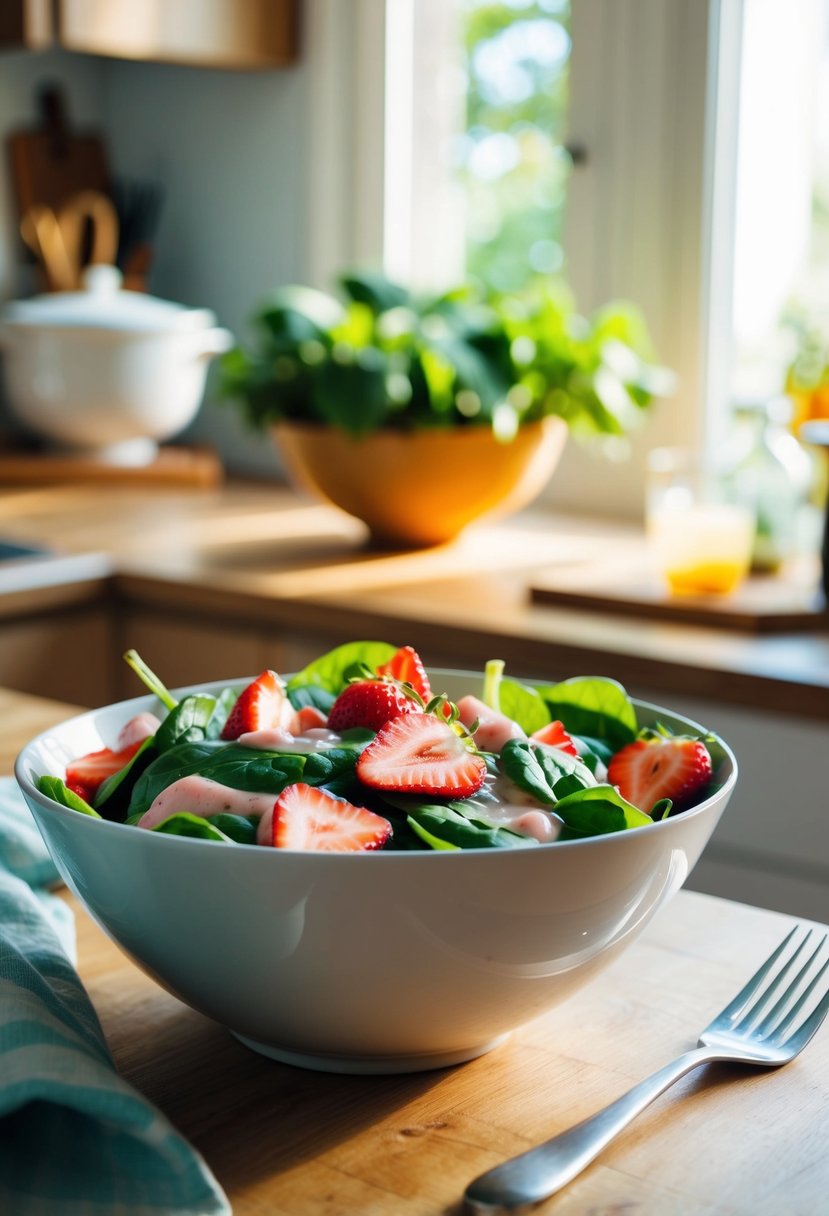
{"x": 543, "y": 1170}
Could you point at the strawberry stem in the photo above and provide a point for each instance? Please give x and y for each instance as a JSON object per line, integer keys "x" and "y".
{"x": 148, "y": 677}
{"x": 493, "y": 673}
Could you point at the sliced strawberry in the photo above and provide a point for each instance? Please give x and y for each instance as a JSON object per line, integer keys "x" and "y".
{"x": 421, "y": 754}
{"x": 307, "y": 718}
{"x": 650, "y": 769}
{"x": 83, "y": 791}
{"x": 306, "y": 817}
{"x": 260, "y": 706}
{"x": 554, "y": 735}
{"x": 90, "y": 771}
{"x": 370, "y": 703}
{"x": 406, "y": 666}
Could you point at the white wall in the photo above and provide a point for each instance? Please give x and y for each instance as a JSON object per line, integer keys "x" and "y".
{"x": 232, "y": 152}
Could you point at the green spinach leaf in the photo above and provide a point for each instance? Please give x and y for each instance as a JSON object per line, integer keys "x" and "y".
{"x": 58, "y": 791}
{"x": 593, "y": 706}
{"x": 187, "y": 723}
{"x": 221, "y": 712}
{"x": 451, "y": 824}
{"x": 185, "y": 824}
{"x": 328, "y": 671}
{"x": 599, "y": 810}
{"x": 524, "y": 705}
{"x": 113, "y": 797}
{"x": 547, "y": 773}
{"x": 241, "y": 768}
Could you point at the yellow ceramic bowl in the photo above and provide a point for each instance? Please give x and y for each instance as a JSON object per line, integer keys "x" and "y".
{"x": 422, "y": 487}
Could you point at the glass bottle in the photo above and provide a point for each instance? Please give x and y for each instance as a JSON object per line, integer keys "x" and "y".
{"x": 772, "y": 474}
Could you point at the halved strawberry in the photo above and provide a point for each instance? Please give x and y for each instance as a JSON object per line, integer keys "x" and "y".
{"x": 88, "y": 772}
{"x": 554, "y": 735}
{"x": 370, "y": 703}
{"x": 421, "y": 754}
{"x": 650, "y": 769}
{"x": 260, "y": 706}
{"x": 307, "y": 718}
{"x": 306, "y": 817}
{"x": 406, "y": 666}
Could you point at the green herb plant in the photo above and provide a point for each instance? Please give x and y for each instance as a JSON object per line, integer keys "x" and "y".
{"x": 378, "y": 356}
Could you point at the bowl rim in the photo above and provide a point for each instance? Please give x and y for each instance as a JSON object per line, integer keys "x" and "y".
{"x": 149, "y": 701}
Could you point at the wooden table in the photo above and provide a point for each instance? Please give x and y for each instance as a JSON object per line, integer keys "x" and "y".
{"x": 286, "y": 1142}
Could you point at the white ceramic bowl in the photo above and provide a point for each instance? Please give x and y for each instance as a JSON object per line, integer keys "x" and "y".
{"x": 107, "y": 372}
{"x": 388, "y": 962}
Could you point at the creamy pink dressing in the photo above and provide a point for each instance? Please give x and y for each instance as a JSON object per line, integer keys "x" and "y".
{"x": 200, "y": 796}
{"x": 508, "y": 806}
{"x": 494, "y": 728}
{"x": 276, "y": 739}
{"x": 142, "y": 726}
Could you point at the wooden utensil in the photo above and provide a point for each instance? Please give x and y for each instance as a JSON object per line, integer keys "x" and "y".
{"x": 50, "y": 163}
{"x": 89, "y": 226}
{"x": 42, "y": 232}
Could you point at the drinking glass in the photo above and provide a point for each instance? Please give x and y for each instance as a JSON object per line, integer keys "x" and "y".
{"x": 700, "y": 542}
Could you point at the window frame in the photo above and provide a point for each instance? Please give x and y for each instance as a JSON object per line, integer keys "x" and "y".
{"x": 650, "y": 209}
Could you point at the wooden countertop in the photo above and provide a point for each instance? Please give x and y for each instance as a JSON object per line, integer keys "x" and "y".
{"x": 258, "y": 554}
{"x": 285, "y": 1142}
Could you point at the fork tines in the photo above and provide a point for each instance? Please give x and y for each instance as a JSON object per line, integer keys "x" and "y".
{"x": 776, "y": 1003}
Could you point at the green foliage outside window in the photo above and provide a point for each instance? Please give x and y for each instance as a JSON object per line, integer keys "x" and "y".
{"x": 511, "y": 160}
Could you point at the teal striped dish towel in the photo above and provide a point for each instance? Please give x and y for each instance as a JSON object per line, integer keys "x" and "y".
{"x": 75, "y": 1138}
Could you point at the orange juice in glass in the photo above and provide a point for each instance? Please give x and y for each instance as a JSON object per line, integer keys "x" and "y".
{"x": 700, "y": 543}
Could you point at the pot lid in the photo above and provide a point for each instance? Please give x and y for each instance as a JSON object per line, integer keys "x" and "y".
{"x": 103, "y": 304}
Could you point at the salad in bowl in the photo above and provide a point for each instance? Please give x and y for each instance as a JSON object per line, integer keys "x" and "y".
{"x": 358, "y": 753}
{"x": 369, "y": 866}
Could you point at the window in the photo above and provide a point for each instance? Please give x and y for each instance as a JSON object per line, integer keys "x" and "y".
{"x": 658, "y": 207}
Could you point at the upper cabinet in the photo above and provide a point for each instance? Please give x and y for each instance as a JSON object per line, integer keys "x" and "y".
{"x": 242, "y": 34}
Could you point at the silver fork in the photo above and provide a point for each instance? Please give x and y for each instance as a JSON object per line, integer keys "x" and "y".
{"x": 768, "y": 1023}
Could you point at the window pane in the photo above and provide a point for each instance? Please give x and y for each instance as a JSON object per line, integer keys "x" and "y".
{"x": 781, "y": 268}
{"x": 510, "y": 157}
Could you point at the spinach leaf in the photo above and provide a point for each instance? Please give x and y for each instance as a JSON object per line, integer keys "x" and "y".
{"x": 185, "y": 824}
{"x": 187, "y": 723}
{"x": 599, "y": 810}
{"x": 545, "y": 772}
{"x": 330, "y": 764}
{"x": 241, "y": 768}
{"x": 593, "y": 750}
{"x": 252, "y": 770}
{"x": 179, "y": 761}
{"x": 113, "y": 796}
{"x": 311, "y": 694}
{"x": 434, "y": 842}
{"x": 224, "y": 704}
{"x": 524, "y": 705}
{"x": 594, "y": 706}
{"x": 450, "y": 824}
{"x": 58, "y": 791}
{"x": 328, "y": 671}
{"x": 239, "y": 828}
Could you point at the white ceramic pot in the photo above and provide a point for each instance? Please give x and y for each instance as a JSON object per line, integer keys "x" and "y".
{"x": 106, "y": 371}
{"x": 365, "y": 962}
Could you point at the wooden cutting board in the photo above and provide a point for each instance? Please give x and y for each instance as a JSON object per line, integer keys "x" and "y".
{"x": 199, "y": 468}
{"x": 628, "y": 587}
{"x": 50, "y": 163}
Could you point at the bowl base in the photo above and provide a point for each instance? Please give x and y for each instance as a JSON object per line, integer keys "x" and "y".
{"x": 370, "y": 1065}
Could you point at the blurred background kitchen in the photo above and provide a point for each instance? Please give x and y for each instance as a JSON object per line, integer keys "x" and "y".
{"x": 667, "y": 151}
{"x": 670, "y": 153}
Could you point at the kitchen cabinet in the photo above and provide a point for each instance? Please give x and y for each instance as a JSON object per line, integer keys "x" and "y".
{"x": 63, "y": 655}
{"x": 204, "y": 33}
{"x": 26, "y": 24}
{"x": 241, "y": 34}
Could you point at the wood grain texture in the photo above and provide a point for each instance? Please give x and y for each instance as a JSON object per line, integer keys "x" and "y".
{"x": 257, "y": 557}
{"x": 282, "y": 1140}
{"x": 286, "y": 1142}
